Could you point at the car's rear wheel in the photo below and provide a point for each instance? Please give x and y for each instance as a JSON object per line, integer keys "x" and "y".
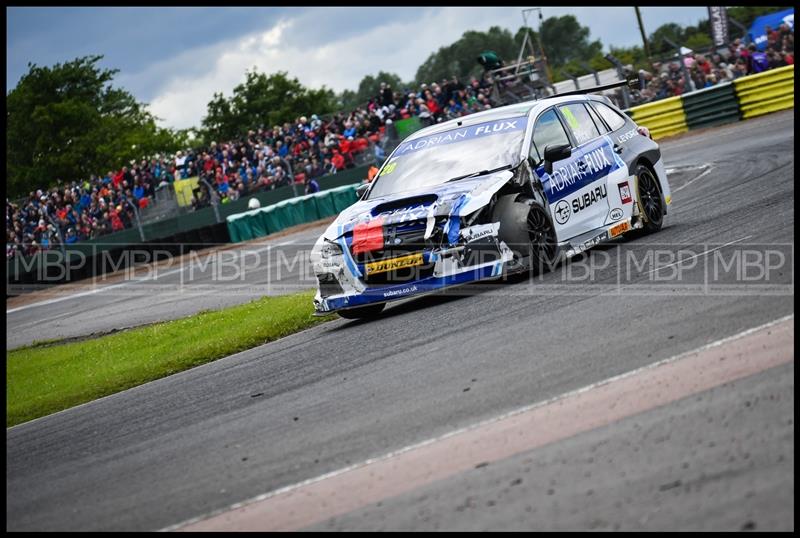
{"x": 650, "y": 203}
{"x": 361, "y": 312}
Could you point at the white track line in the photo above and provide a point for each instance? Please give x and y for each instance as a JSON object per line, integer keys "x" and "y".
{"x": 697, "y": 255}
{"x": 504, "y": 416}
{"x": 710, "y": 168}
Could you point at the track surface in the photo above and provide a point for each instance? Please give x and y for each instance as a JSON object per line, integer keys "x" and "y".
{"x": 343, "y": 392}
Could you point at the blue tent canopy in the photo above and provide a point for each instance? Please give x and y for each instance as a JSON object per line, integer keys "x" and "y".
{"x": 758, "y": 33}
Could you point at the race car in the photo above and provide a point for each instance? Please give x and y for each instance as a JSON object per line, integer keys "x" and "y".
{"x": 515, "y": 188}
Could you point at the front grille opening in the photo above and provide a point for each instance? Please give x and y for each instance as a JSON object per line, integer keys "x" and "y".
{"x": 328, "y": 285}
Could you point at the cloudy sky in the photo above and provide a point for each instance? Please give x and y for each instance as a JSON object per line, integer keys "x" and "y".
{"x": 176, "y": 58}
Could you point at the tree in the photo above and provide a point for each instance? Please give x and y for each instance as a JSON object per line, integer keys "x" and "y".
{"x": 672, "y": 31}
{"x": 263, "y": 100}
{"x": 460, "y": 57}
{"x": 564, "y": 40}
{"x": 67, "y": 121}
{"x": 369, "y": 88}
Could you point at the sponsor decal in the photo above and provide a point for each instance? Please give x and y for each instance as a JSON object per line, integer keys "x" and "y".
{"x": 595, "y": 240}
{"x": 562, "y": 212}
{"x": 474, "y": 233}
{"x": 620, "y": 228}
{"x": 625, "y": 192}
{"x": 466, "y": 133}
{"x": 627, "y": 136}
{"x": 389, "y": 168}
{"x": 615, "y": 214}
{"x": 590, "y": 165}
{"x": 402, "y": 291}
{"x": 394, "y": 263}
{"x": 589, "y": 198}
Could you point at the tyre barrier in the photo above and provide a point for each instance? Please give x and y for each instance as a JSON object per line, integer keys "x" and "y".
{"x": 744, "y": 98}
{"x": 663, "y": 118}
{"x": 711, "y": 106}
{"x": 303, "y": 209}
{"x": 766, "y": 92}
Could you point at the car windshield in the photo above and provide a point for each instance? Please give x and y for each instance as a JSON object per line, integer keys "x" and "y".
{"x": 436, "y": 159}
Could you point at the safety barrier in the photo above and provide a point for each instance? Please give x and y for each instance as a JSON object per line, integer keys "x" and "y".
{"x": 276, "y": 217}
{"x": 766, "y": 92}
{"x": 744, "y": 98}
{"x": 711, "y": 106}
{"x": 662, "y": 118}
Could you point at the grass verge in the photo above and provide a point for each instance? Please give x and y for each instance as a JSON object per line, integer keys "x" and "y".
{"x": 41, "y": 380}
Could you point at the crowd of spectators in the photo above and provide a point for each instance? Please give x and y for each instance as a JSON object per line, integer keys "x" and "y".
{"x": 667, "y": 79}
{"x": 267, "y": 158}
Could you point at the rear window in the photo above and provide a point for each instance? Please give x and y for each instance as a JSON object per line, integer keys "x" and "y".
{"x": 612, "y": 117}
{"x": 580, "y": 122}
{"x": 597, "y": 121}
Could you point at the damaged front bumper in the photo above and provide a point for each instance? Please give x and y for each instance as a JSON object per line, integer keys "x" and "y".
{"x": 347, "y": 281}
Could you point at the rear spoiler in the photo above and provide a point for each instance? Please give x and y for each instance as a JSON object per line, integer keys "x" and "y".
{"x": 633, "y": 84}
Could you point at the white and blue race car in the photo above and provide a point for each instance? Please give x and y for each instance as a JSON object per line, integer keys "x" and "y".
{"x": 510, "y": 189}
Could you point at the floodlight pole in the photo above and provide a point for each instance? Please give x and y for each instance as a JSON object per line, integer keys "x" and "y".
{"x": 644, "y": 36}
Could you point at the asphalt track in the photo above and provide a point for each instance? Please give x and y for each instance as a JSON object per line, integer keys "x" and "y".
{"x": 343, "y": 392}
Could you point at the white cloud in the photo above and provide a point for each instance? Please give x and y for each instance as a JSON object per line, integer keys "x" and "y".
{"x": 183, "y": 86}
{"x": 398, "y": 47}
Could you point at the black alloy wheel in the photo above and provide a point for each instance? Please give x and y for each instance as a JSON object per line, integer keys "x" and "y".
{"x": 543, "y": 238}
{"x": 650, "y": 198}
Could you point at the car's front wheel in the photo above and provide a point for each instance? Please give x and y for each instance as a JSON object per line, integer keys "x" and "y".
{"x": 543, "y": 238}
{"x": 361, "y": 312}
{"x": 528, "y": 231}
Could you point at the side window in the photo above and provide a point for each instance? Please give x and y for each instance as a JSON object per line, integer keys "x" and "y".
{"x": 597, "y": 121}
{"x": 613, "y": 119}
{"x": 579, "y": 121}
{"x": 547, "y": 131}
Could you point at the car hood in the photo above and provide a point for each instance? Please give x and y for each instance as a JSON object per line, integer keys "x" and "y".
{"x": 453, "y": 199}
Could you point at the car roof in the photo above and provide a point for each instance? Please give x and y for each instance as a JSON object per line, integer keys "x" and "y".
{"x": 503, "y": 112}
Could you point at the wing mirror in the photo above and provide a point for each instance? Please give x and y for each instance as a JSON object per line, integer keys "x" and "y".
{"x": 361, "y": 190}
{"x": 555, "y": 153}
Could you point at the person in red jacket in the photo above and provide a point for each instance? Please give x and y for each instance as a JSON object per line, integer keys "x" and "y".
{"x": 337, "y": 160}
{"x": 345, "y": 146}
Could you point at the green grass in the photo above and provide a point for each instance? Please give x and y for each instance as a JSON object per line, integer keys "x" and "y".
{"x": 43, "y": 379}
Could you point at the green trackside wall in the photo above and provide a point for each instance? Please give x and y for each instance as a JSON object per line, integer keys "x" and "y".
{"x": 744, "y": 98}
{"x": 276, "y": 217}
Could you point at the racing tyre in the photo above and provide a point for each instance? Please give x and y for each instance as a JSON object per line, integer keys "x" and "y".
{"x": 543, "y": 238}
{"x": 361, "y": 312}
{"x": 650, "y": 200}
{"x": 527, "y": 230}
